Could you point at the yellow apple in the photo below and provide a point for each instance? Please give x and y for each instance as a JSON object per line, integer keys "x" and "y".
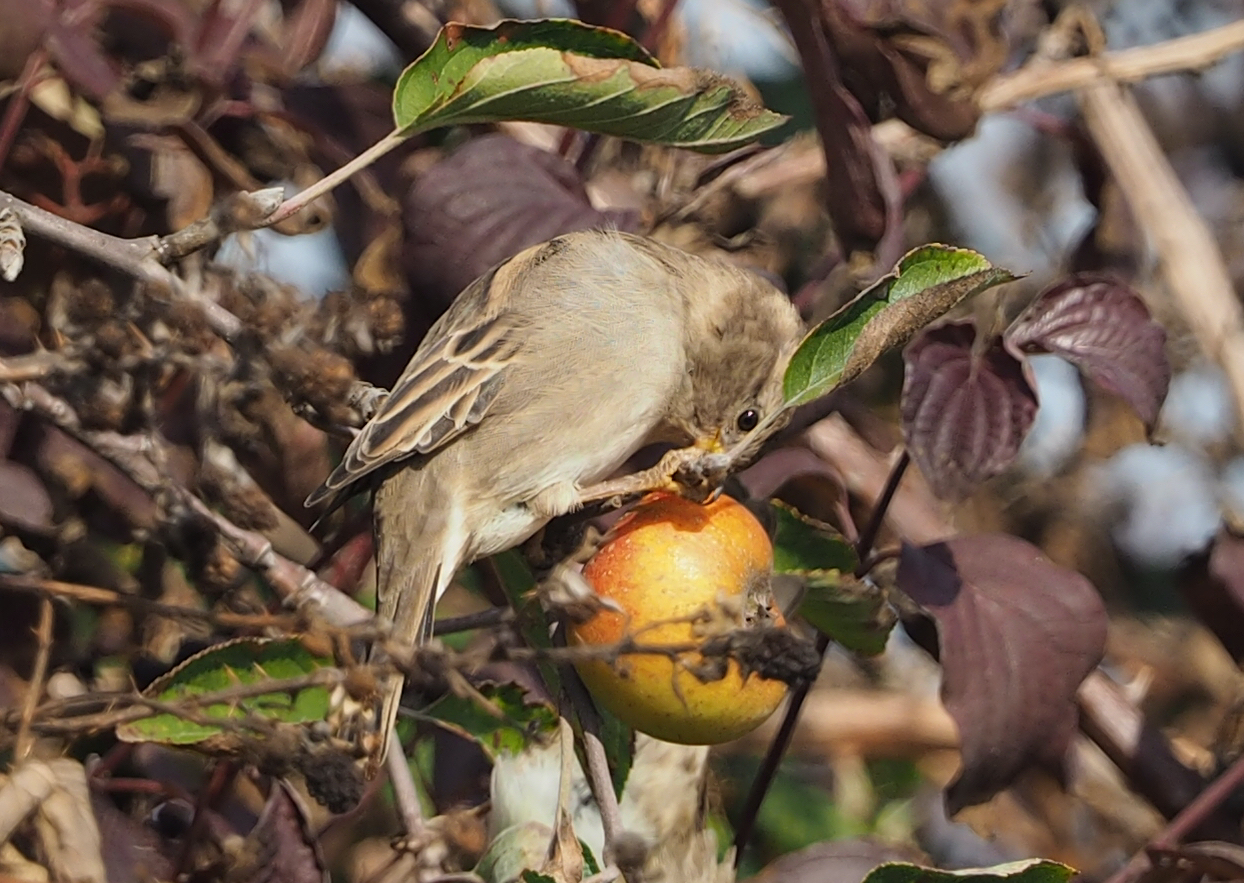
{"x": 672, "y": 559}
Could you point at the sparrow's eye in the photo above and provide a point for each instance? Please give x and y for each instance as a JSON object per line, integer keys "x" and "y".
{"x": 748, "y": 419}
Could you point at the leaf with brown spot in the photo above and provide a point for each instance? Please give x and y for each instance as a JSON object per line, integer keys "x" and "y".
{"x": 965, "y": 413}
{"x": 571, "y": 74}
{"x": 1102, "y": 327}
{"x": 1016, "y": 635}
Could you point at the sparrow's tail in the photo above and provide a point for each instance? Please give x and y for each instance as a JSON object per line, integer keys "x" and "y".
{"x": 418, "y": 550}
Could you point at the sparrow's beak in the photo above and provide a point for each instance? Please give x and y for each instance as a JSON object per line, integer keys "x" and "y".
{"x": 711, "y": 443}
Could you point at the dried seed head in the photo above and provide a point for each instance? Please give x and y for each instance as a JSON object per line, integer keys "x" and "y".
{"x": 90, "y": 302}
{"x": 319, "y": 377}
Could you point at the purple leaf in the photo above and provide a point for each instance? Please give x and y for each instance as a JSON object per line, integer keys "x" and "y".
{"x": 1016, "y": 634}
{"x": 487, "y": 202}
{"x": 283, "y": 847}
{"x": 1103, "y": 328}
{"x": 24, "y": 502}
{"x": 862, "y": 187}
{"x": 965, "y": 413}
{"x": 132, "y": 851}
{"x": 770, "y": 473}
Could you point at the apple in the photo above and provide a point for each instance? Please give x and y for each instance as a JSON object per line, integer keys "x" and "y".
{"x": 667, "y": 562}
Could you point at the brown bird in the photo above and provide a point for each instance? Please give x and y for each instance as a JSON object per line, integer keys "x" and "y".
{"x": 544, "y": 376}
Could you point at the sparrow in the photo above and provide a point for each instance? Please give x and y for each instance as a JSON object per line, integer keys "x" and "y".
{"x": 542, "y": 379}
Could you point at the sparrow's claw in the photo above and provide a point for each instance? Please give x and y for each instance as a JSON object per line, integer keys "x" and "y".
{"x": 690, "y": 472}
{"x": 701, "y": 477}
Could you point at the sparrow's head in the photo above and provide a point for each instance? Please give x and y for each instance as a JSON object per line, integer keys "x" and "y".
{"x": 740, "y": 333}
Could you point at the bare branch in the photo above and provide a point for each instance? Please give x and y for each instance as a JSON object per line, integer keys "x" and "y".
{"x": 1035, "y": 80}
{"x": 1191, "y": 262}
{"x": 139, "y": 258}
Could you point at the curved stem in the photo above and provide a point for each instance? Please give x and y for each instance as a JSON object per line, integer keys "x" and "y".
{"x": 864, "y": 545}
{"x": 302, "y": 199}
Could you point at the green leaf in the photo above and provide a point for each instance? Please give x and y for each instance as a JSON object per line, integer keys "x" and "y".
{"x": 245, "y": 661}
{"x": 1027, "y": 871}
{"x": 519, "y": 587}
{"x": 924, "y": 285}
{"x": 590, "y": 865}
{"x": 517, "y": 722}
{"x": 851, "y": 611}
{"x": 568, "y": 73}
{"x": 536, "y": 877}
{"x": 514, "y": 852}
{"x": 801, "y": 545}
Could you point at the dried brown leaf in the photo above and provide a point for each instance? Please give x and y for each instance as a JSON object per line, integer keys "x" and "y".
{"x": 55, "y": 797}
{"x": 12, "y": 245}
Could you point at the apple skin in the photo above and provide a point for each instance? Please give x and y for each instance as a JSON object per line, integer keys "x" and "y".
{"x": 672, "y": 558}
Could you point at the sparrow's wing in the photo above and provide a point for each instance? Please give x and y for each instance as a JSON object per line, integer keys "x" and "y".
{"x": 448, "y": 387}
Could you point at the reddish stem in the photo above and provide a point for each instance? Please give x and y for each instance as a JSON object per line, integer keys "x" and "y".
{"x": 1190, "y": 818}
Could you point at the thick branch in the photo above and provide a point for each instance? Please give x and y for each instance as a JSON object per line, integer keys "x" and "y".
{"x": 139, "y": 258}
{"x": 1191, "y": 262}
{"x": 1038, "y": 79}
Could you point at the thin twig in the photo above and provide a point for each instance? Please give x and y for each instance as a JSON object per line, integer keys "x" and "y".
{"x": 864, "y": 545}
{"x": 1192, "y": 816}
{"x": 781, "y": 741}
{"x": 338, "y": 176}
{"x": 484, "y": 619}
{"x": 107, "y": 597}
{"x": 1037, "y": 79}
{"x": 222, "y": 775}
{"x": 36, "y": 366}
{"x": 139, "y": 258}
{"x": 598, "y": 775}
{"x": 297, "y": 585}
{"x": 34, "y": 689}
{"x": 138, "y": 457}
{"x": 409, "y": 809}
{"x": 772, "y": 760}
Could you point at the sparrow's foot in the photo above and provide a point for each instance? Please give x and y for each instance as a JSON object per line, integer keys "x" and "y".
{"x": 691, "y": 472}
